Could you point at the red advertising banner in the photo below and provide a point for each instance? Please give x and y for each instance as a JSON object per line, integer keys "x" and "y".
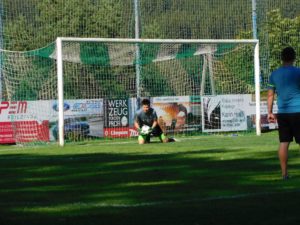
{"x": 120, "y": 132}
{"x": 6, "y": 133}
{"x": 23, "y": 131}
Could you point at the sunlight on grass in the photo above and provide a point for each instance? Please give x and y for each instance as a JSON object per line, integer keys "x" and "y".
{"x": 152, "y": 183}
{"x": 80, "y": 179}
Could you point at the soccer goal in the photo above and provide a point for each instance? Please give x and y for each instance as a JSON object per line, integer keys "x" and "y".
{"x": 90, "y": 88}
{"x": 222, "y": 73}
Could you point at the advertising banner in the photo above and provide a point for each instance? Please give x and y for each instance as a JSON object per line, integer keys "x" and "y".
{"x": 114, "y": 118}
{"x": 120, "y": 132}
{"x": 80, "y": 107}
{"x": 24, "y": 121}
{"x": 178, "y": 113}
{"x": 37, "y": 120}
{"x": 225, "y": 112}
{"x": 265, "y": 125}
{"x": 83, "y": 116}
{"x": 116, "y": 123}
{"x": 24, "y": 131}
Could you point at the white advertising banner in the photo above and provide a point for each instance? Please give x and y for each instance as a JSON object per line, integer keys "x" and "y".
{"x": 48, "y": 109}
{"x": 88, "y": 114}
{"x": 25, "y": 110}
{"x": 265, "y": 125}
{"x": 37, "y": 120}
{"x": 225, "y": 112}
{"x": 80, "y": 107}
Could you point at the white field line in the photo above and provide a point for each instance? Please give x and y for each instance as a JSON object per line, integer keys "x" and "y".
{"x": 20, "y": 148}
{"x": 145, "y": 204}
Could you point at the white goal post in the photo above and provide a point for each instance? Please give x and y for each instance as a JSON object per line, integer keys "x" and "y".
{"x": 59, "y": 62}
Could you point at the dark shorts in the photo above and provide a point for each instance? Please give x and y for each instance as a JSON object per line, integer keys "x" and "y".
{"x": 157, "y": 131}
{"x": 289, "y": 127}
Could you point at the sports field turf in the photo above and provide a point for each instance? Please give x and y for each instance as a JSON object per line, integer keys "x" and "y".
{"x": 204, "y": 180}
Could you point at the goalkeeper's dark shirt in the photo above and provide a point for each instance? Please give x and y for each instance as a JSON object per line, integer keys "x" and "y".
{"x": 143, "y": 118}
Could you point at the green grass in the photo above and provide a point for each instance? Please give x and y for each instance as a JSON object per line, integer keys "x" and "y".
{"x": 205, "y": 180}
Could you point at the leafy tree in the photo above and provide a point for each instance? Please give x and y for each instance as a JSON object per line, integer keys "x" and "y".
{"x": 53, "y": 18}
{"x": 32, "y": 24}
{"x": 21, "y": 32}
{"x": 282, "y": 32}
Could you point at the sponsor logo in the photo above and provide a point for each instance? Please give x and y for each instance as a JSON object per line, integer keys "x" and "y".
{"x": 133, "y": 133}
{"x": 84, "y": 106}
{"x": 66, "y": 107}
{"x": 14, "y": 107}
{"x": 120, "y": 132}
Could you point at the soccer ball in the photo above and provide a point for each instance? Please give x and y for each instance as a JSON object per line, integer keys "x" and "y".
{"x": 145, "y": 129}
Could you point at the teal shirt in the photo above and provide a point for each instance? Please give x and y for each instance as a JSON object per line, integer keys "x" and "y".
{"x": 148, "y": 118}
{"x": 285, "y": 81}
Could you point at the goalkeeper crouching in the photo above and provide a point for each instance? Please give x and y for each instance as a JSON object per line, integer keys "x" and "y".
{"x": 147, "y": 116}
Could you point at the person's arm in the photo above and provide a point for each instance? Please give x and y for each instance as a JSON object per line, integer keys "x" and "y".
{"x": 154, "y": 124}
{"x": 136, "y": 125}
{"x": 271, "y": 116}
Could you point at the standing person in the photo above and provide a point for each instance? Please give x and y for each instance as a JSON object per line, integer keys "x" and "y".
{"x": 285, "y": 82}
{"x": 147, "y": 116}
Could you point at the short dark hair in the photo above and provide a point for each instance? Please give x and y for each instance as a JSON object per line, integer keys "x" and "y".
{"x": 145, "y": 101}
{"x": 288, "y": 54}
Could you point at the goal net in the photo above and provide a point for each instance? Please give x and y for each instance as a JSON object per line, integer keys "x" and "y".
{"x": 84, "y": 89}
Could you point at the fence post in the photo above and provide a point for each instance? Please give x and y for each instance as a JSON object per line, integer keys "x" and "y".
{"x": 137, "y": 47}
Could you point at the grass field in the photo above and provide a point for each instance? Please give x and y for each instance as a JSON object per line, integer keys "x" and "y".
{"x": 204, "y": 180}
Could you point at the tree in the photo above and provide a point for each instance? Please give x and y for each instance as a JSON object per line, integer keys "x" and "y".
{"x": 282, "y": 32}
{"x": 53, "y": 18}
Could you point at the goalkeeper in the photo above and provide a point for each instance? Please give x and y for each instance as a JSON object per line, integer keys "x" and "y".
{"x": 147, "y": 116}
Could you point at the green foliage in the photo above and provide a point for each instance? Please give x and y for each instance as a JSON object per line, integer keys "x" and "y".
{"x": 94, "y": 53}
{"x": 153, "y": 30}
{"x": 282, "y": 32}
{"x": 93, "y": 82}
{"x": 195, "y": 19}
{"x": 24, "y": 92}
{"x": 32, "y": 24}
{"x": 33, "y": 81}
{"x": 18, "y": 27}
{"x": 105, "y": 20}
{"x": 238, "y": 67}
{"x": 59, "y": 18}
{"x": 155, "y": 83}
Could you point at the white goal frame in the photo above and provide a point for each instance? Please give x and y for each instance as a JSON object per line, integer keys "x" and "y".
{"x": 59, "y": 62}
